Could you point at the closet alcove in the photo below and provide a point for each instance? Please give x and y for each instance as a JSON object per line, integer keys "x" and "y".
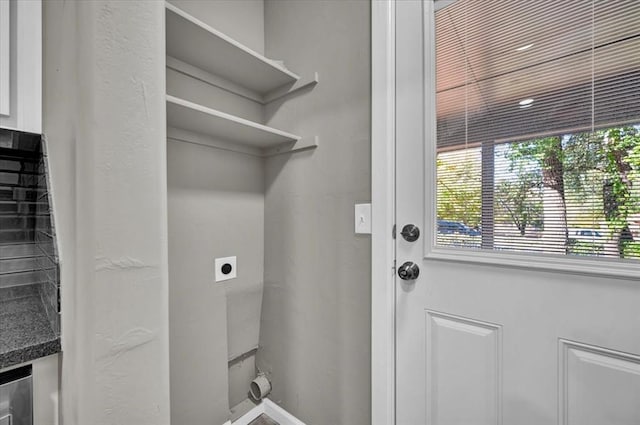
{"x": 219, "y": 87}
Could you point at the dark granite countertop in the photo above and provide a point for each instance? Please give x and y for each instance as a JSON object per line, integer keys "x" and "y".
{"x": 25, "y": 332}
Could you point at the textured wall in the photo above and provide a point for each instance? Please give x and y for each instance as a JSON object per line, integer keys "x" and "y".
{"x": 104, "y": 120}
{"x": 315, "y": 331}
{"x": 216, "y": 208}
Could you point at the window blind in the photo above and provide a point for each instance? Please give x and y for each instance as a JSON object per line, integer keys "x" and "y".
{"x": 538, "y": 126}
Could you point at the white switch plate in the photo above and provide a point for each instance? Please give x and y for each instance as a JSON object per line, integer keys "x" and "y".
{"x": 220, "y": 262}
{"x": 363, "y": 218}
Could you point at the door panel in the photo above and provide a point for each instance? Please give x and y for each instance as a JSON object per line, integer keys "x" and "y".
{"x": 597, "y": 385}
{"x": 463, "y": 350}
{"x": 489, "y": 344}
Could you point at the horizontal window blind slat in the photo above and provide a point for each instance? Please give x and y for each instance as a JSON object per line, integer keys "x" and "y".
{"x": 559, "y": 173}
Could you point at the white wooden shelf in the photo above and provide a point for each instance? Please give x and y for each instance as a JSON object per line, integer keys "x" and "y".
{"x": 196, "y": 43}
{"x": 225, "y": 128}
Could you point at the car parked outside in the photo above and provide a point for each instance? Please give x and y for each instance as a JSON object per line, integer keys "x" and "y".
{"x": 447, "y": 227}
{"x": 587, "y": 233}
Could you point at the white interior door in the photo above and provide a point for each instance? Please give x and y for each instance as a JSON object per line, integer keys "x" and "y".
{"x": 488, "y": 339}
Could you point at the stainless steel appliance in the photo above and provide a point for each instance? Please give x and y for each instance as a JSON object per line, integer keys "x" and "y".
{"x": 16, "y": 397}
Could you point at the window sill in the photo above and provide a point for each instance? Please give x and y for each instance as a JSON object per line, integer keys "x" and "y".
{"x": 605, "y": 267}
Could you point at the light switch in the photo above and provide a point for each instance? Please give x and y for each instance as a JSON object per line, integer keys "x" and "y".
{"x": 363, "y": 218}
{"x": 226, "y": 268}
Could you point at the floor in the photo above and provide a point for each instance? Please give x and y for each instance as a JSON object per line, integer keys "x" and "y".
{"x": 263, "y": 420}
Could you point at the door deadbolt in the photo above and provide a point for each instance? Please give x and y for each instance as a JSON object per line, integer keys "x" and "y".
{"x": 409, "y": 271}
{"x": 410, "y": 232}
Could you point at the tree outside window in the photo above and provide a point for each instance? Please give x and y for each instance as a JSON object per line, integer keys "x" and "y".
{"x": 575, "y": 194}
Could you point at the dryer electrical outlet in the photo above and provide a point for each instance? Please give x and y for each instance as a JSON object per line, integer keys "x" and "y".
{"x": 226, "y": 268}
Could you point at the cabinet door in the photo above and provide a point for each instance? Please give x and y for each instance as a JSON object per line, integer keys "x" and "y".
{"x": 21, "y": 65}
{"x": 5, "y": 33}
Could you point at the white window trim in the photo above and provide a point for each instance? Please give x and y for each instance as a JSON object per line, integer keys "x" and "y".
{"x": 604, "y": 267}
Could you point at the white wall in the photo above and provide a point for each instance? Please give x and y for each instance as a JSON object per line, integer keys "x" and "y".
{"x": 105, "y": 125}
{"x": 216, "y": 209}
{"x": 104, "y": 121}
{"x": 315, "y": 331}
{"x": 193, "y": 90}
{"x": 242, "y": 20}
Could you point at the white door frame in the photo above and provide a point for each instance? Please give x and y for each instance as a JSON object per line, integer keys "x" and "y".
{"x": 383, "y": 212}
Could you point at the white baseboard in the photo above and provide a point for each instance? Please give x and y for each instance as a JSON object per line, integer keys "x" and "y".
{"x": 270, "y": 409}
{"x": 278, "y": 414}
{"x": 250, "y": 415}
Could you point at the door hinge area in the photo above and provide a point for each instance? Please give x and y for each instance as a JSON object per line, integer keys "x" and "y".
{"x": 393, "y": 232}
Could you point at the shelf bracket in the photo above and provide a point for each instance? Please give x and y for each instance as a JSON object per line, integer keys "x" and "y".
{"x": 286, "y": 90}
{"x": 303, "y": 144}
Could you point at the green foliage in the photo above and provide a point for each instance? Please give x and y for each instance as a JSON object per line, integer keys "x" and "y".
{"x": 586, "y": 248}
{"x": 632, "y": 250}
{"x": 459, "y": 187}
{"x": 519, "y": 202}
{"x": 574, "y": 163}
{"x": 560, "y": 163}
{"x": 579, "y": 160}
{"x": 548, "y": 156}
{"x": 619, "y": 153}
{"x": 543, "y": 159}
{"x": 595, "y": 174}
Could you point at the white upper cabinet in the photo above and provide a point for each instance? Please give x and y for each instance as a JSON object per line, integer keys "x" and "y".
{"x": 5, "y": 69}
{"x": 21, "y": 65}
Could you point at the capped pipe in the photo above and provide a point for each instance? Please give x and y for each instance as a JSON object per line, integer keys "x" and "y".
{"x": 260, "y": 387}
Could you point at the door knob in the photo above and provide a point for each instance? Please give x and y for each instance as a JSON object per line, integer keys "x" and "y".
{"x": 409, "y": 271}
{"x": 410, "y": 232}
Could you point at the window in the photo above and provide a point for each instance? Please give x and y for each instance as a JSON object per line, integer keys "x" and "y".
{"x": 538, "y": 126}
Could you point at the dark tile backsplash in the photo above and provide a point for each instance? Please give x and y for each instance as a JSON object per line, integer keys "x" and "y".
{"x": 28, "y": 252}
